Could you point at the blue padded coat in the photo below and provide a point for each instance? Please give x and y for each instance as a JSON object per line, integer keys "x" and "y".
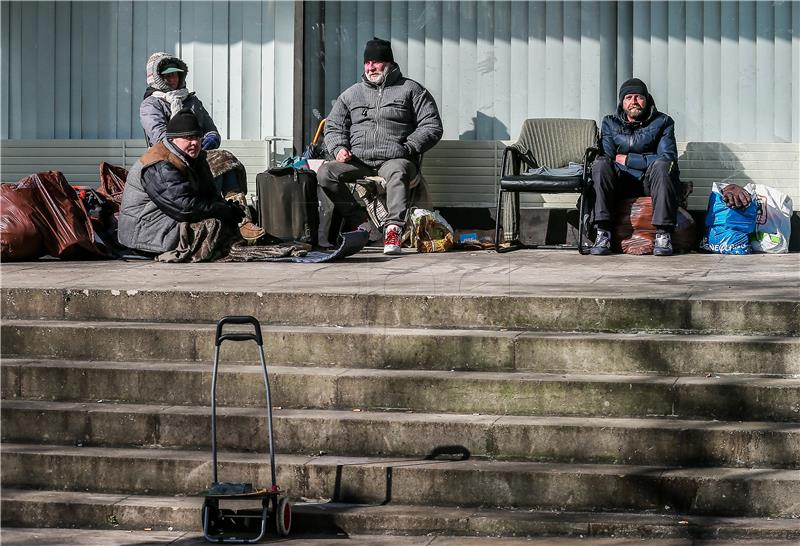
{"x": 642, "y": 141}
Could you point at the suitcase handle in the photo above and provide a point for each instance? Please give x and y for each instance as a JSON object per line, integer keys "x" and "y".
{"x": 238, "y": 336}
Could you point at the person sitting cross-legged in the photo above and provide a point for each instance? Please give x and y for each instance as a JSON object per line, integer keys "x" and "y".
{"x": 171, "y": 183}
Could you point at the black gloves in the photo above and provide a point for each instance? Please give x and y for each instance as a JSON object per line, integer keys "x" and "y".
{"x": 229, "y": 212}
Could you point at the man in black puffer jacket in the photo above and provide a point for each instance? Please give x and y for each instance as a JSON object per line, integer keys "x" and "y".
{"x": 169, "y": 184}
{"x": 639, "y": 157}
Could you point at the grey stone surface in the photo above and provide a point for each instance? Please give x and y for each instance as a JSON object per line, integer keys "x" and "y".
{"x": 526, "y": 272}
{"x": 534, "y": 289}
{"x": 718, "y": 396}
{"x": 410, "y": 348}
{"x": 554, "y": 438}
{"x": 372, "y": 524}
{"x": 372, "y": 480}
{"x": 73, "y": 537}
{"x": 542, "y": 356}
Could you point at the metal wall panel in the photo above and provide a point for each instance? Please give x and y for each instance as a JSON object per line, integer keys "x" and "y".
{"x": 77, "y": 69}
{"x": 726, "y": 71}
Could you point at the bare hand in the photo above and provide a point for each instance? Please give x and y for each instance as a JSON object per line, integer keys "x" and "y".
{"x": 736, "y": 196}
{"x": 344, "y": 155}
{"x": 621, "y": 158}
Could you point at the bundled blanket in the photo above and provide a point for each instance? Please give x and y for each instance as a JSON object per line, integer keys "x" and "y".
{"x": 212, "y": 240}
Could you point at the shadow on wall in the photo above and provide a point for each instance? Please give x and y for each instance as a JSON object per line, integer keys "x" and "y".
{"x": 704, "y": 163}
{"x": 485, "y": 128}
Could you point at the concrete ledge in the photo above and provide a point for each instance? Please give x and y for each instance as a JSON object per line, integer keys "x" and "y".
{"x": 62, "y": 508}
{"x": 410, "y": 348}
{"x": 391, "y": 434}
{"x": 559, "y": 313}
{"x": 712, "y": 491}
{"x": 739, "y": 397}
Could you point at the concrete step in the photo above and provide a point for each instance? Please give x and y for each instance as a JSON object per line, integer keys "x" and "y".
{"x": 410, "y": 348}
{"x": 374, "y": 307}
{"x": 727, "y": 397}
{"x": 531, "y": 485}
{"x": 391, "y": 434}
{"x": 160, "y": 514}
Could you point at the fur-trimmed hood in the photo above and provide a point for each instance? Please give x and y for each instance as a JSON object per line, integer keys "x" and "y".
{"x": 156, "y": 63}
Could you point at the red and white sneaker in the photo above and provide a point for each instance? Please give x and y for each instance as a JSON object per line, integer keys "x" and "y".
{"x": 392, "y": 240}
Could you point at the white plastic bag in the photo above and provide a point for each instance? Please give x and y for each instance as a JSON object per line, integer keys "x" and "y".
{"x": 773, "y": 219}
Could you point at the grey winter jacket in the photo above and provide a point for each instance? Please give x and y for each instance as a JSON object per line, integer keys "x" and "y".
{"x": 398, "y": 119}
{"x": 155, "y": 112}
{"x": 163, "y": 188}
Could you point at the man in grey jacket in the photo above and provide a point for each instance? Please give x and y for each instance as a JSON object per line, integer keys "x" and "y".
{"x": 379, "y": 126}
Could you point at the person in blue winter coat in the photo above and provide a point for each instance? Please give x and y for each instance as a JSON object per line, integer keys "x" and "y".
{"x": 639, "y": 158}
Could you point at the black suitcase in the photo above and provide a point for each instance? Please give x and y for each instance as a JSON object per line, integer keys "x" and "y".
{"x": 287, "y": 204}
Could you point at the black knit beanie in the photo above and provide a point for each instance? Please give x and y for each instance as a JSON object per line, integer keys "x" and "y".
{"x": 633, "y": 85}
{"x": 184, "y": 124}
{"x": 378, "y": 50}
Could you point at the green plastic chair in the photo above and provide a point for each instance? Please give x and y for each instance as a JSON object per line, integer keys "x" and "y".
{"x": 551, "y": 143}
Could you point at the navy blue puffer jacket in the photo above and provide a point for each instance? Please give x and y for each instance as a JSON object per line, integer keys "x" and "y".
{"x": 642, "y": 141}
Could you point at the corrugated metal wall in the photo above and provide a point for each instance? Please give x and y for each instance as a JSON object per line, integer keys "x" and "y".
{"x": 77, "y": 69}
{"x": 726, "y": 71}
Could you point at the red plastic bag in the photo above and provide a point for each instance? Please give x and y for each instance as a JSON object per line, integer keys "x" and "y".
{"x": 634, "y": 232}
{"x": 19, "y": 238}
{"x": 53, "y": 208}
{"x": 112, "y": 183}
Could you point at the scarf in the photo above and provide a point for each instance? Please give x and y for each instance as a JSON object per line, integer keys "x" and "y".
{"x": 173, "y": 98}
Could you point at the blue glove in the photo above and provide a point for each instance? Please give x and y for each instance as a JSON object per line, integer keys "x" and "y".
{"x": 211, "y": 141}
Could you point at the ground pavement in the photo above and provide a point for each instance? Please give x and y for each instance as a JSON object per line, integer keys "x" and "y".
{"x": 521, "y": 273}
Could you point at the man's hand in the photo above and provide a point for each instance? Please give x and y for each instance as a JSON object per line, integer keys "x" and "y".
{"x": 344, "y": 155}
{"x": 736, "y": 197}
{"x": 621, "y": 158}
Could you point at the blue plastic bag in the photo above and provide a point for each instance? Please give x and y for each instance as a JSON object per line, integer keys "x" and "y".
{"x": 728, "y": 229}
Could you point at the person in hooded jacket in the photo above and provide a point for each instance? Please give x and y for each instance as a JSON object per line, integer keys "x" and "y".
{"x": 379, "y": 126}
{"x": 639, "y": 158}
{"x": 169, "y": 184}
{"x": 165, "y": 96}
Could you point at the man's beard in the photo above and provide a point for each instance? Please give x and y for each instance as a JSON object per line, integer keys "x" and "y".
{"x": 379, "y": 78}
{"x": 634, "y": 112}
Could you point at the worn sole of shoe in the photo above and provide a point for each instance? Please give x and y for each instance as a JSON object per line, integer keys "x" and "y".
{"x": 600, "y": 251}
{"x": 392, "y": 249}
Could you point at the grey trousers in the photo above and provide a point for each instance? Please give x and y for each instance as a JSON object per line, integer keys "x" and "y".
{"x": 333, "y": 177}
{"x": 660, "y": 181}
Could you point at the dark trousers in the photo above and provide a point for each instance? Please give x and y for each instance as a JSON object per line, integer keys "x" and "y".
{"x": 333, "y": 177}
{"x": 660, "y": 181}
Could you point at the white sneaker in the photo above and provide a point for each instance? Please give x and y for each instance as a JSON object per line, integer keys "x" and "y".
{"x": 392, "y": 240}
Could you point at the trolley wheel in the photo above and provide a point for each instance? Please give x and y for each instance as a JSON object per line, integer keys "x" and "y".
{"x": 283, "y": 517}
